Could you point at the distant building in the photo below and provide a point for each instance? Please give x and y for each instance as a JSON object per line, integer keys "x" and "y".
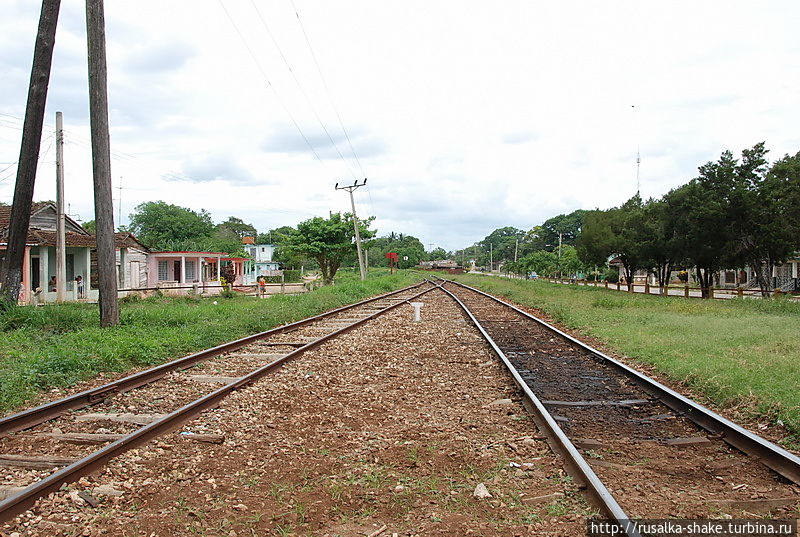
{"x": 261, "y": 262}
{"x": 184, "y": 269}
{"x": 445, "y": 264}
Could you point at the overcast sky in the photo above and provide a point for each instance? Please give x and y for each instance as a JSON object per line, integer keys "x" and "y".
{"x": 465, "y": 115}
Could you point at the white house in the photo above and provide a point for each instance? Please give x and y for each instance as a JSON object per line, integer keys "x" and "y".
{"x": 261, "y": 263}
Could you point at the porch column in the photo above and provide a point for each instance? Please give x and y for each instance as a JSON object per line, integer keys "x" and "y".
{"x": 87, "y": 278}
{"x": 219, "y": 270}
{"x": 26, "y": 276}
{"x": 794, "y": 269}
{"x": 123, "y": 272}
{"x": 183, "y": 269}
{"x": 44, "y": 270}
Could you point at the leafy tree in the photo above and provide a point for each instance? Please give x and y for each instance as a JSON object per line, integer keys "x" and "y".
{"x": 275, "y": 236}
{"x": 327, "y": 241}
{"x": 542, "y": 262}
{"x": 399, "y": 243}
{"x": 157, "y": 223}
{"x": 660, "y": 247}
{"x": 90, "y": 226}
{"x": 615, "y": 232}
{"x": 438, "y": 254}
{"x": 502, "y": 243}
{"x": 569, "y": 263}
{"x": 568, "y": 225}
{"x": 235, "y": 227}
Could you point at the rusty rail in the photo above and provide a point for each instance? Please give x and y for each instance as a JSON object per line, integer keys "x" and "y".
{"x": 27, "y": 497}
{"x": 36, "y": 415}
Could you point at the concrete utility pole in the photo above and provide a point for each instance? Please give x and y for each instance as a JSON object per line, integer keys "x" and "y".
{"x": 350, "y": 189}
{"x": 516, "y": 249}
{"x": 101, "y": 163}
{"x": 29, "y": 153}
{"x": 61, "y": 239}
{"x": 491, "y": 264}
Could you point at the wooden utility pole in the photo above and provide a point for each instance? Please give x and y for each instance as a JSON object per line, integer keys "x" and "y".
{"x": 29, "y": 153}
{"x": 61, "y": 239}
{"x": 101, "y": 163}
{"x": 350, "y": 189}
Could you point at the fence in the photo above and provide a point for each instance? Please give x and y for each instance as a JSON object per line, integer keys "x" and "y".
{"x": 675, "y": 290}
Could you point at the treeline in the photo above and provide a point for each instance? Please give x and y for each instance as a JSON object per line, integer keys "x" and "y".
{"x": 317, "y": 243}
{"x": 737, "y": 212}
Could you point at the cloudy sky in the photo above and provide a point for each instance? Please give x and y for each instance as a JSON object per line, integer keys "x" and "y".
{"x": 464, "y": 115}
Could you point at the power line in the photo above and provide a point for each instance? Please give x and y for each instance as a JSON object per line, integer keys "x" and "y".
{"x": 266, "y": 79}
{"x": 300, "y": 87}
{"x": 325, "y": 85}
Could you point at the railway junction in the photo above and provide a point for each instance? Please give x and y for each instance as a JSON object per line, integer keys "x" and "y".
{"x": 478, "y": 419}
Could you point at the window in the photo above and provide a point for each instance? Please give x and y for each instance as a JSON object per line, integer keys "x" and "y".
{"x": 191, "y": 273}
{"x": 162, "y": 271}
{"x": 263, "y": 249}
{"x": 253, "y": 251}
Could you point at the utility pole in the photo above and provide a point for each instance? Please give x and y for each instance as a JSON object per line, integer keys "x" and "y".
{"x": 101, "y": 163}
{"x": 516, "y": 249}
{"x": 61, "y": 239}
{"x": 29, "y": 153}
{"x": 559, "y": 254}
{"x": 119, "y": 212}
{"x": 350, "y": 189}
{"x": 491, "y": 264}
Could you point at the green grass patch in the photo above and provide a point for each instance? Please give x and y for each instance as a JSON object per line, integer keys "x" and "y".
{"x": 59, "y": 345}
{"x": 740, "y": 353}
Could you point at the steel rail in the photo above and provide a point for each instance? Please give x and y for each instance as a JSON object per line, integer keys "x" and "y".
{"x": 53, "y": 409}
{"x": 769, "y": 454}
{"x": 577, "y": 466}
{"x": 26, "y": 498}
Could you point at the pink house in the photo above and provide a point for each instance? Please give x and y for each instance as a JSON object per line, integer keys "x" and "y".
{"x": 184, "y": 269}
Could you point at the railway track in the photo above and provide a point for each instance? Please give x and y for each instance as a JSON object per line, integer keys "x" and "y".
{"x": 640, "y": 449}
{"x": 44, "y": 447}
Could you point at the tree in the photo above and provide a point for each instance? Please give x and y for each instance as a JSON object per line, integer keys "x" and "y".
{"x": 90, "y": 226}
{"x": 542, "y": 262}
{"x": 616, "y": 232}
{"x": 660, "y": 242}
{"x": 328, "y": 241}
{"x": 437, "y": 254}
{"x": 234, "y": 226}
{"x": 569, "y": 263}
{"x": 568, "y": 225}
{"x": 157, "y": 223}
{"x": 275, "y": 236}
{"x": 502, "y": 243}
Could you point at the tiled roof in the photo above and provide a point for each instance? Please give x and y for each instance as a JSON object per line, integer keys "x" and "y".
{"x": 78, "y": 240}
{"x": 5, "y": 211}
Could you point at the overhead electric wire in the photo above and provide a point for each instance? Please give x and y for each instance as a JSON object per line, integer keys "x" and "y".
{"x": 325, "y": 85}
{"x": 269, "y": 83}
{"x": 300, "y": 86}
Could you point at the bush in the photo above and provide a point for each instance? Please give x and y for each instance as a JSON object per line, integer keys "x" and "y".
{"x": 291, "y": 276}
{"x": 611, "y": 274}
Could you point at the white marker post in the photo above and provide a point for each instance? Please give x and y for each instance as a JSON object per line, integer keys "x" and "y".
{"x": 417, "y": 306}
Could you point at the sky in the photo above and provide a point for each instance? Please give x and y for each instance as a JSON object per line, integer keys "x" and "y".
{"x": 465, "y": 116}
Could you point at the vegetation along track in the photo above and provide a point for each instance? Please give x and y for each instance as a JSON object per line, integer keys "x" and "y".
{"x": 128, "y": 412}
{"x": 641, "y": 449}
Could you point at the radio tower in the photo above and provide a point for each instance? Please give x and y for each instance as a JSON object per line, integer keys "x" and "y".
{"x": 638, "y": 161}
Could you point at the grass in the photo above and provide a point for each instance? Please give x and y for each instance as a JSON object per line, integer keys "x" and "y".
{"x": 60, "y": 345}
{"x": 739, "y": 353}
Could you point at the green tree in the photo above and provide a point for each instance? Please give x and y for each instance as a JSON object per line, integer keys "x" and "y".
{"x": 275, "y": 236}
{"x": 502, "y": 243}
{"x": 327, "y": 241}
{"x": 90, "y": 226}
{"x": 541, "y": 262}
{"x": 616, "y": 232}
{"x": 568, "y": 225}
{"x": 157, "y": 223}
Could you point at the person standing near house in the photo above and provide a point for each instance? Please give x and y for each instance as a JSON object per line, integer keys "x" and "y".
{"x": 79, "y": 285}
{"x": 51, "y": 285}
{"x": 262, "y": 286}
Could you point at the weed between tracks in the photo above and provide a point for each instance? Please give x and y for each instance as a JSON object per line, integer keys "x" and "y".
{"x": 741, "y": 354}
{"x": 57, "y": 346}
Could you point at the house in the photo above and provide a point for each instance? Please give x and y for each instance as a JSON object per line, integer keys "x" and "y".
{"x": 261, "y": 264}
{"x": 39, "y": 261}
{"x": 185, "y": 271}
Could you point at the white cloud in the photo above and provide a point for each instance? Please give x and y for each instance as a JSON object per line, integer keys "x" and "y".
{"x": 466, "y": 116}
